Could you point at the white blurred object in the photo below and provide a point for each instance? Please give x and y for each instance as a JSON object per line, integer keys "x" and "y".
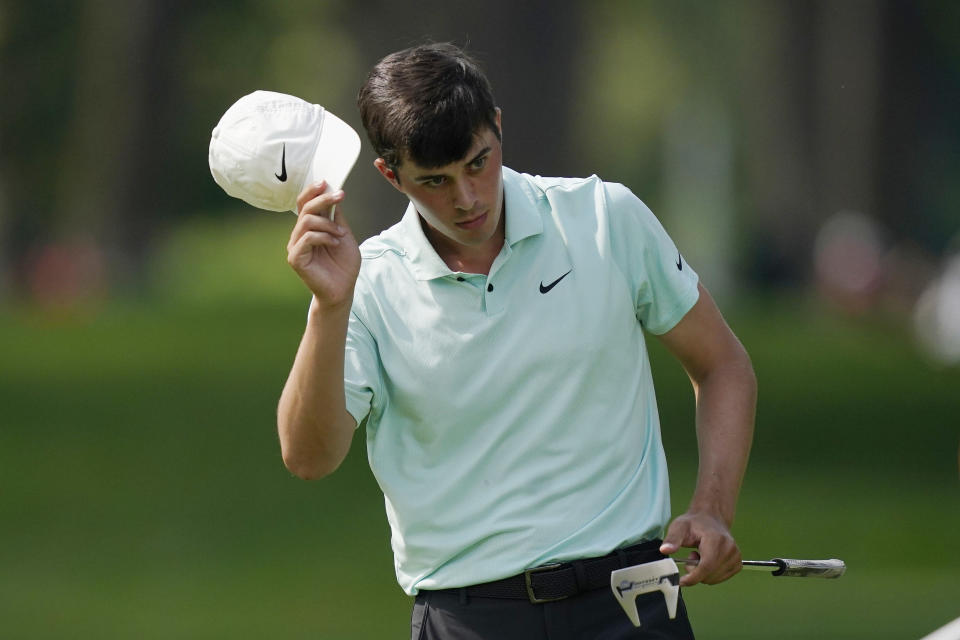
{"x": 936, "y": 317}
{"x": 950, "y": 631}
{"x": 848, "y": 259}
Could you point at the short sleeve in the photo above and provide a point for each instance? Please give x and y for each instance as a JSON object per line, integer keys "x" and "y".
{"x": 361, "y": 369}
{"x": 663, "y": 285}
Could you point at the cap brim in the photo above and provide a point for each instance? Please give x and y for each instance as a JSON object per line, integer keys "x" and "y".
{"x": 336, "y": 153}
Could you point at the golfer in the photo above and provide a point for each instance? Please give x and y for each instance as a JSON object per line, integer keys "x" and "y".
{"x": 492, "y": 342}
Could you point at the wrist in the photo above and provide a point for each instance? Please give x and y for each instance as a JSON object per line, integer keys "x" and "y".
{"x": 330, "y": 309}
{"x": 712, "y": 510}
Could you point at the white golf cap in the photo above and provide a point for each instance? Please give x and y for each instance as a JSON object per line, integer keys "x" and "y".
{"x": 269, "y": 145}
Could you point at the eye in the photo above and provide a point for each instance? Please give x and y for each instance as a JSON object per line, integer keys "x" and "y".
{"x": 479, "y": 163}
{"x": 435, "y": 181}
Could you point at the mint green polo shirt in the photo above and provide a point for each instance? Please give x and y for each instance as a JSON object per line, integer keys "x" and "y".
{"x": 510, "y": 418}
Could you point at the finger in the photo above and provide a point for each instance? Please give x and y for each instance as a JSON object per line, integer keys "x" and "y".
{"x": 308, "y": 222}
{"x": 678, "y": 535}
{"x": 320, "y": 204}
{"x": 692, "y": 561}
{"x": 312, "y": 222}
{"x": 681, "y": 533}
{"x": 312, "y": 239}
{"x": 730, "y": 565}
{"x": 310, "y": 192}
{"x": 303, "y": 248}
{"x": 719, "y": 561}
{"x": 694, "y": 575}
{"x": 707, "y": 565}
{"x": 669, "y": 547}
{"x": 724, "y": 576}
{"x": 719, "y": 575}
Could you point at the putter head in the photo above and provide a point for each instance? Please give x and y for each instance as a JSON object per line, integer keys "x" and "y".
{"x": 630, "y": 582}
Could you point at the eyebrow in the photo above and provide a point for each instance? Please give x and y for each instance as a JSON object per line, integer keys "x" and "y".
{"x": 480, "y": 154}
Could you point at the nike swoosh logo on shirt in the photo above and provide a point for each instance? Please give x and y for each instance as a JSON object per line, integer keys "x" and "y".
{"x": 546, "y": 288}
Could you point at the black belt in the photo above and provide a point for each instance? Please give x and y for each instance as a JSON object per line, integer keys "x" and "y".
{"x": 557, "y": 581}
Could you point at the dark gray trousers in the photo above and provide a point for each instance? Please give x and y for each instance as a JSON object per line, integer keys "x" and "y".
{"x": 594, "y": 615}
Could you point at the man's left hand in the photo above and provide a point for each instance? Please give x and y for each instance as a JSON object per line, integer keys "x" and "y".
{"x": 717, "y": 551}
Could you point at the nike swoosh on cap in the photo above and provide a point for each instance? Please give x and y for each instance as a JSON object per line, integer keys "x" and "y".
{"x": 282, "y": 176}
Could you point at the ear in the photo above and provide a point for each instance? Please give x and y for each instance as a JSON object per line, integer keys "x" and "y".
{"x": 388, "y": 174}
{"x": 499, "y": 125}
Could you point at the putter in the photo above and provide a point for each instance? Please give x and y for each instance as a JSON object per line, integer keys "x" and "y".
{"x": 664, "y": 576}
{"x": 791, "y": 568}
{"x": 630, "y": 582}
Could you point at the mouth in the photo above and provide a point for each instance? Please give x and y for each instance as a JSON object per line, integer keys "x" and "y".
{"x": 473, "y": 223}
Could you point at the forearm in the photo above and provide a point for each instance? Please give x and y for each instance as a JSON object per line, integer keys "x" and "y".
{"x": 726, "y": 399}
{"x": 314, "y": 426}
{"x": 726, "y": 405}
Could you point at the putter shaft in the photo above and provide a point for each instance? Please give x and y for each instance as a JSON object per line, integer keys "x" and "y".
{"x": 832, "y": 568}
{"x": 754, "y": 565}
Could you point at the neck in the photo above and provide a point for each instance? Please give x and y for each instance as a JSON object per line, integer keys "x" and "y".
{"x": 467, "y": 258}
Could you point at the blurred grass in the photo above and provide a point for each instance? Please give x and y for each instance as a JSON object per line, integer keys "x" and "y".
{"x": 143, "y": 493}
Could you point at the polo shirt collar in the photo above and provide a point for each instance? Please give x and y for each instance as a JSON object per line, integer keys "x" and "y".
{"x": 523, "y": 207}
{"x": 523, "y": 203}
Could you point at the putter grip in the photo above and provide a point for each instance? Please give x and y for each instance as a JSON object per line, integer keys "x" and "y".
{"x": 810, "y": 568}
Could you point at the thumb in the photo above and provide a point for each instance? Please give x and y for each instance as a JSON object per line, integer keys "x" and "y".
{"x": 674, "y": 538}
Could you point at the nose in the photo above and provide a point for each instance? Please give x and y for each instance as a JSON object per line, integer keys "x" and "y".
{"x": 465, "y": 195}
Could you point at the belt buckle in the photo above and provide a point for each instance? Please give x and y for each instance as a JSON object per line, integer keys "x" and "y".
{"x": 529, "y": 584}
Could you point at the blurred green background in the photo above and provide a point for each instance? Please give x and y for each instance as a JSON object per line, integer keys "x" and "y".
{"x": 803, "y": 154}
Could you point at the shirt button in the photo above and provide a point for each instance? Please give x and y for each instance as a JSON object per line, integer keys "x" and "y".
{"x": 489, "y": 287}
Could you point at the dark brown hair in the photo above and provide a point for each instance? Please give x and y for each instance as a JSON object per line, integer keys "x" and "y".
{"x": 427, "y": 102}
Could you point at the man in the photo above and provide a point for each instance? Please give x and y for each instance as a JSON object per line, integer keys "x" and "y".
{"x": 493, "y": 342}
